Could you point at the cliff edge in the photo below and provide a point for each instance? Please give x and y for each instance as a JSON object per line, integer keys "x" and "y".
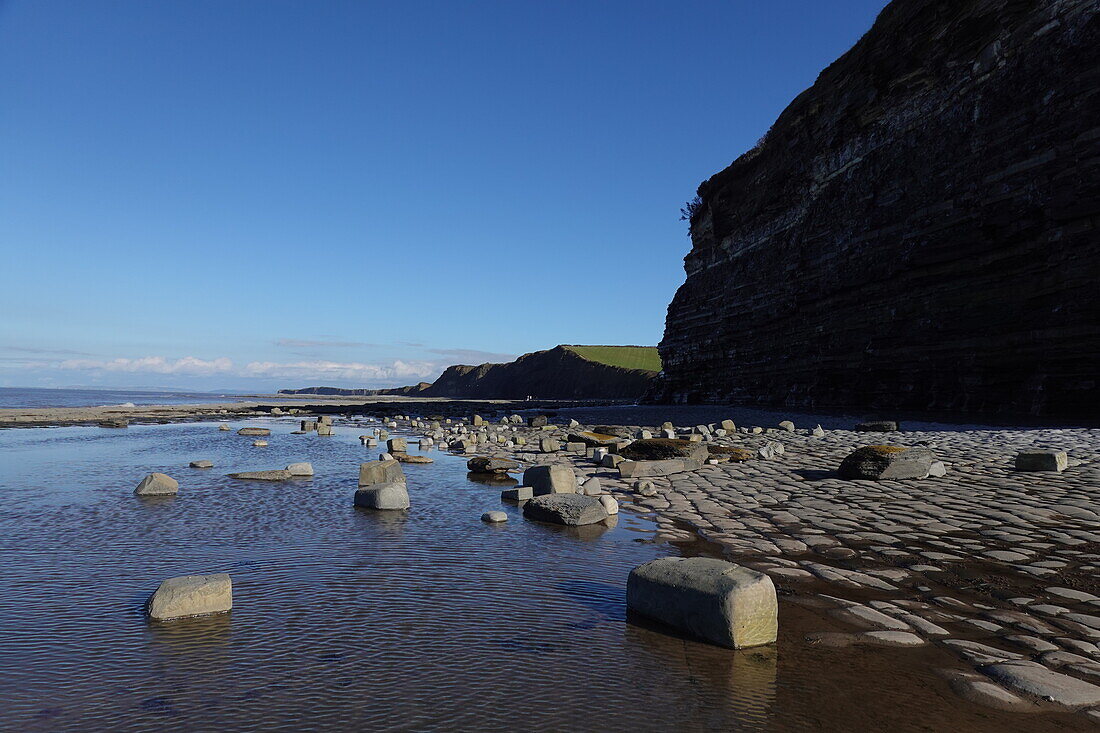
{"x": 919, "y": 230}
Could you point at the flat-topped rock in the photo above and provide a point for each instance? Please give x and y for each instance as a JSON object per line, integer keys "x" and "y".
{"x": 191, "y": 595}
{"x": 884, "y": 462}
{"x": 412, "y": 458}
{"x": 201, "y": 464}
{"x": 569, "y": 509}
{"x": 656, "y": 449}
{"x": 715, "y": 600}
{"x": 877, "y": 426}
{"x": 593, "y": 440}
{"x": 550, "y": 479}
{"x": 1041, "y": 460}
{"x": 157, "y": 484}
{"x": 300, "y": 469}
{"x": 1035, "y": 679}
{"x": 279, "y": 474}
{"x": 380, "y": 472}
{"x": 253, "y": 431}
{"x": 518, "y": 493}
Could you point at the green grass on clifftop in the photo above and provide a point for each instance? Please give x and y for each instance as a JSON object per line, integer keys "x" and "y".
{"x": 627, "y": 357}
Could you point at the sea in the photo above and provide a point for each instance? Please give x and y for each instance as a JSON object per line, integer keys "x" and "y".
{"x": 42, "y": 397}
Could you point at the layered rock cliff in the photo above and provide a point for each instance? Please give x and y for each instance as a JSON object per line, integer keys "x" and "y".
{"x": 919, "y": 230}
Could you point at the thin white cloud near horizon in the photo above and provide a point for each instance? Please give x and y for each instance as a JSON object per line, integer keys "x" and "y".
{"x": 194, "y": 366}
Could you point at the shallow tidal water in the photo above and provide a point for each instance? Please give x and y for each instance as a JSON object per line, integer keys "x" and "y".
{"x": 348, "y": 619}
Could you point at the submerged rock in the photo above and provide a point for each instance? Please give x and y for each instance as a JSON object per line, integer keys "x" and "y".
{"x": 411, "y": 458}
{"x": 278, "y": 474}
{"x": 712, "y": 599}
{"x": 202, "y": 464}
{"x": 300, "y": 469}
{"x": 191, "y": 595}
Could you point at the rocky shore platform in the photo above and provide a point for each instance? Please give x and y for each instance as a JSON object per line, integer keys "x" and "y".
{"x": 995, "y": 567}
{"x": 998, "y": 566}
{"x": 263, "y": 405}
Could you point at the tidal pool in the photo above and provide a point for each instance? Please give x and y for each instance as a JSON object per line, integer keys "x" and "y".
{"x": 349, "y": 619}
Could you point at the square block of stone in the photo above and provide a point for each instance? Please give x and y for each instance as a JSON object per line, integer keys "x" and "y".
{"x": 1042, "y": 460}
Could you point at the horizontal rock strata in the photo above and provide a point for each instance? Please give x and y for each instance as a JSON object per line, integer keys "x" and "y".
{"x": 918, "y": 230}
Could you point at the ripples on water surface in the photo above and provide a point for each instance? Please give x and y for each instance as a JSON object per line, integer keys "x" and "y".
{"x": 343, "y": 618}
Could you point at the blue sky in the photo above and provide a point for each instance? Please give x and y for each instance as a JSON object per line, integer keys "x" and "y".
{"x": 252, "y": 195}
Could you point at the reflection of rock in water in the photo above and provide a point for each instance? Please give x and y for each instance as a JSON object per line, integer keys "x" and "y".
{"x": 491, "y": 479}
{"x": 195, "y": 636}
{"x": 582, "y": 532}
{"x": 393, "y": 521}
{"x": 737, "y": 684}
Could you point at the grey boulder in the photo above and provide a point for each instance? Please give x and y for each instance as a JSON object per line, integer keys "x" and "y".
{"x": 550, "y": 479}
{"x": 191, "y": 595}
{"x": 391, "y": 496}
{"x": 380, "y": 472}
{"x": 157, "y": 484}
{"x": 712, "y": 599}
{"x": 569, "y": 509}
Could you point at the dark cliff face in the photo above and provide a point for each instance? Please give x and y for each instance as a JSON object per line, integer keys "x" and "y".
{"x": 919, "y": 230}
{"x": 557, "y": 373}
